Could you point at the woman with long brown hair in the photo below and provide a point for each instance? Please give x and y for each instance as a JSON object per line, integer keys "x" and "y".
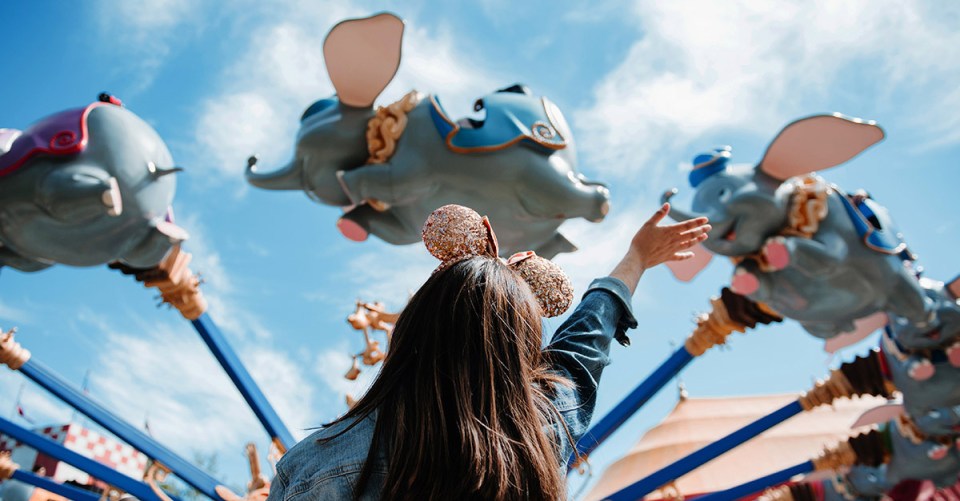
{"x": 467, "y": 404}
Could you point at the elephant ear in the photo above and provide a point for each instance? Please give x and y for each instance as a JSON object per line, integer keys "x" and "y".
{"x": 685, "y": 270}
{"x": 362, "y": 56}
{"x": 863, "y": 327}
{"x": 816, "y": 143}
{"x": 954, "y": 288}
{"x": 879, "y": 414}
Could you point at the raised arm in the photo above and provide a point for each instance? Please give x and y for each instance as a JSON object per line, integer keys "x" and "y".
{"x": 580, "y": 347}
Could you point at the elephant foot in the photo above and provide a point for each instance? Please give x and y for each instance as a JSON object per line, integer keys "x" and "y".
{"x": 776, "y": 253}
{"x": 938, "y": 452}
{"x": 364, "y": 220}
{"x": 744, "y": 282}
{"x": 953, "y": 354}
{"x": 352, "y": 230}
{"x": 921, "y": 370}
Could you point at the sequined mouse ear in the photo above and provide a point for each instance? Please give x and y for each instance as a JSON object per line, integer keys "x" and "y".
{"x": 548, "y": 282}
{"x": 453, "y": 232}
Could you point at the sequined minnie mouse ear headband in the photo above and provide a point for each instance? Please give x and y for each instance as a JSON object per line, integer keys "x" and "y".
{"x": 453, "y": 233}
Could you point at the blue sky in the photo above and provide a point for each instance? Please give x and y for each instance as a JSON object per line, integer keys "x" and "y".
{"x": 645, "y": 85}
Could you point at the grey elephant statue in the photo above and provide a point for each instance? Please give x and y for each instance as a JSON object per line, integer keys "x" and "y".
{"x": 391, "y": 167}
{"x": 810, "y": 251}
{"x": 844, "y": 487}
{"x": 84, "y": 187}
{"x": 931, "y": 401}
{"x": 892, "y": 467}
{"x": 909, "y": 458}
{"x": 937, "y": 344}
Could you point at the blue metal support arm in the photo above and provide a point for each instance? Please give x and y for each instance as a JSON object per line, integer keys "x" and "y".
{"x": 759, "y": 484}
{"x": 67, "y": 491}
{"x": 146, "y": 444}
{"x": 244, "y": 382}
{"x": 631, "y": 404}
{"x": 97, "y": 470}
{"x": 685, "y": 465}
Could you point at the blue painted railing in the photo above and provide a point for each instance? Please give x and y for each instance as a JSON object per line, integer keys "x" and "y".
{"x": 757, "y": 485}
{"x": 627, "y": 407}
{"x": 67, "y": 491}
{"x": 97, "y": 470}
{"x": 146, "y": 444}
{"x": 242, "y": 380}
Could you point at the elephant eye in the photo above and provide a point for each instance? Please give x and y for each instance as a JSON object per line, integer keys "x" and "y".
{"x": 724, "y": 194}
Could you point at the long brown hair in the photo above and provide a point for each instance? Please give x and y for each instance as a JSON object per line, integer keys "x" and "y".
{"x": 462, "y": 399}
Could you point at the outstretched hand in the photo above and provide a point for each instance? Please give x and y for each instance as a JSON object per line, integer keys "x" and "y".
{"x": 653, "y": 245}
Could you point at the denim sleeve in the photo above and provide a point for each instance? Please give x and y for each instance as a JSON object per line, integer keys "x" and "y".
{"x": 278, "y": 486}
{"x": 579, "y": 349}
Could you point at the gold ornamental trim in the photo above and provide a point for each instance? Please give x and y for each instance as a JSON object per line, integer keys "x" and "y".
{"x": 386, "y": 127}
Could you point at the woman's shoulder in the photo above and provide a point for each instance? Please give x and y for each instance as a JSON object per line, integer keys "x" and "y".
{"x": 333, "y": 451}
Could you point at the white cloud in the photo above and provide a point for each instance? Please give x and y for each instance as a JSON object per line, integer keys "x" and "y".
{"x": 752, "y": 65}
{"x": 218, "y": 287}
{"x": 146, "y": 31}
{"x": 37, "y": 404}
{"x": 13, "y": 314}
{"x": 199, "y": 406}
{"x": 375, "y": 280}
{"x": 601, "y": 245}
{"x": 190, "y": 401}
{"x": 282, "y": 72}
{"x": 143, "y": 20}
{"x": 205, "y": 258}
{"x": 288, "y": 386}
{"x": 331, "y": 365}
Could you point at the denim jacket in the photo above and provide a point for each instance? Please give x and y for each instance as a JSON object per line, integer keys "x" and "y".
{"x": 311, "y": 471}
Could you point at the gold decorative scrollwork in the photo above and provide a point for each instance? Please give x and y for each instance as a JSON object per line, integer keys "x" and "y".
{"x": 386, "y": 127}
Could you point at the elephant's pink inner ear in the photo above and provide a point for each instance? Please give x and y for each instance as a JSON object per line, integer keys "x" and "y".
{"x": 817, "y": 143}
{"x": 362, "y": 56}
{"x": 687, "y": 269}
{"x": 863, "y": 327}
{"x": 879, "y": 414}
{"x": 954, "y": 288}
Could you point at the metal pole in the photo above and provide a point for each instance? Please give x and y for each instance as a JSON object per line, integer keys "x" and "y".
{"x": 243, "y": 381}
{"x": 729, "y": 313}
{"x": 179, "y": 287}
{"x": 759, "y": 484}
{"x": 631, "y": 404}
{"x": 97, "y": 470}
{"x": 187, "y": 471}
{"x": 67, "y": 491}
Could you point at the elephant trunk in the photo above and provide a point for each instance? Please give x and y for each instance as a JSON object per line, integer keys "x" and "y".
{"x": 675, "y": 213}
{"x": 287, "y": 178}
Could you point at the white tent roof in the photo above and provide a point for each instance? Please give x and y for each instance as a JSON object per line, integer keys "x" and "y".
{"x": 696, "y": 422}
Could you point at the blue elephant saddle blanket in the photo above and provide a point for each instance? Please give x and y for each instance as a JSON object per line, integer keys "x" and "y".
{"x": 874, "y": 226}
{"x": 512, "y": 118}
{"x": 64, "y": 133}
